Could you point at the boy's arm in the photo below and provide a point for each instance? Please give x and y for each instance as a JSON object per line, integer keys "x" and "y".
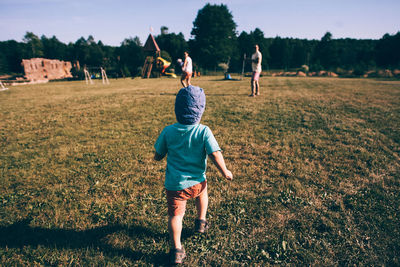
{"x": 184, "y": 64}
{"x": 158, "y": 157}
{"x": 257, "y": 60}
{"x": 219, "y": 162}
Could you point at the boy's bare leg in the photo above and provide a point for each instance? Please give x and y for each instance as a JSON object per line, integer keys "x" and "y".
{"x": 257, "y": 85}
{"x": 202, "y": 205}
{"x": 253, "y": 88}
{"x": 188, "y": 79}
{"x": 175, "y": 230}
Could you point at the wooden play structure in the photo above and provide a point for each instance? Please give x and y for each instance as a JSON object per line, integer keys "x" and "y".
{"x": 2, "y": 88}
{"x": 88, "y": 77}
{"x": 152, "y": 51}
{"x": 154, "y": 64}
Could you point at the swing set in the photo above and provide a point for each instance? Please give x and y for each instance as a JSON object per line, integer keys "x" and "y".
{"x": 3, "y": 88}
{"x": 88, "y": 77}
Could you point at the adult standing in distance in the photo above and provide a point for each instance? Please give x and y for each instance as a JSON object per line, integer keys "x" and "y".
{"x": 256, "y": 59}
{"x": 187, "y": 70}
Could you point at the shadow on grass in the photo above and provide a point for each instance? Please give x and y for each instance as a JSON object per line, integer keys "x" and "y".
{"x": 211, "y": 94}
{"x": 226, "y": 80}
{"x": 21, "y": 234}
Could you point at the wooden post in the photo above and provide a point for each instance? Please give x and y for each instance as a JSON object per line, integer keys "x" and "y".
{"x": 244, "y": 60}
{"x": 147, "y": 67}
{"x": 104, "y": 76}
{"x": 3, "y": 88}
{"x": 88, "y": 79}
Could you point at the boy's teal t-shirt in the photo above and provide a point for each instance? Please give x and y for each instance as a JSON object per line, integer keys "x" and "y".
{"x": 187, "y": 147}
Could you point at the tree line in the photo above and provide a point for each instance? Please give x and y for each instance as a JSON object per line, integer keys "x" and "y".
{"x": 215, "y": 40}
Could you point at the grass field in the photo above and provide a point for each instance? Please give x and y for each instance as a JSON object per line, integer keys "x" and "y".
{"x": 316, "y": 164}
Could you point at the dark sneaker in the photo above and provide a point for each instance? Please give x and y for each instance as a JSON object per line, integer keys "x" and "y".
{"x": 177, "y": 255}
{"x": 201, "y": 226}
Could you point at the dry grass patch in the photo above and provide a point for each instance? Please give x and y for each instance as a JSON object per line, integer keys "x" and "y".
{"x": 316, "y": 165}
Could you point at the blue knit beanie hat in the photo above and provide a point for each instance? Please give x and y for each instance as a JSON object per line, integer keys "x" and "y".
{"x": 189, "y": 105}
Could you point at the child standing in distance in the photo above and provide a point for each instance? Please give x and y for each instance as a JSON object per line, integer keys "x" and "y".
{"x": 187, "y": 70}
{"x": 256, "y": 59}
{"x": 187, "y": 144}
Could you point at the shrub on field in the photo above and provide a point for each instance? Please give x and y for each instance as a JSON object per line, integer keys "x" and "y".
{"x": 304, "y": 68}
{"x": 223, "y": 66}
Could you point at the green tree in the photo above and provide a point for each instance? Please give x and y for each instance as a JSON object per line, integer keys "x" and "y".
{"x": 130, "y": 57}
{"x": 174, "y": 44}
{"x": 96, "y": 56}
{"x": 327, "y": 52}
{"x": 387, "y": 51}
{"x": 246, "y": 42}
{"x": 53, "y": 48}
{"x": 34, "y": 45}
{"x": 109, "y": 59}
{"x": 214, "y": 34}
{"x": 12, "y": 54}
{"x": 90, "y": 53}
{"x": 259, "y": 39}
{"x": 137, "y": 41}
{"x": 81, "y": 51}
{"x": 3, "y": 63}
{"x": 299, "y": 56}
{"x": 281, "y": 53}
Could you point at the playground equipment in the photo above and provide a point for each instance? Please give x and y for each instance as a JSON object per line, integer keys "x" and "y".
{"x": 154, "y": 64}
{"x": 88, "y": 77}
{"x": 153, "y": 51}
{"x": 104, "y": 76}
{"x": 162, "y": 65}
{"x": 3, "y": 88}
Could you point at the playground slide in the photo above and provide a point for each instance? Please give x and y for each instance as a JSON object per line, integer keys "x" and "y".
{"x": 163, "y": 65}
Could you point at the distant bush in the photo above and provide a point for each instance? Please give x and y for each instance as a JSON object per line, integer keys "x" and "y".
{"x": 77, "y": 74}
{"x": 165, "y": 55}
{"x": 223, "y": 66}
{"x": 360, "y": 69}
{"x": 305, "y": 68}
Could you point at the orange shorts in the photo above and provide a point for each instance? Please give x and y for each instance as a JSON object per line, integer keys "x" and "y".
{"x": 177, "y": 199}
{"x": 186, "y": 75}
{"x": 255, "y": 76}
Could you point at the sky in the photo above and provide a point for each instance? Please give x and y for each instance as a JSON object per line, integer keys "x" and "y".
{"x": 112, "y": 21}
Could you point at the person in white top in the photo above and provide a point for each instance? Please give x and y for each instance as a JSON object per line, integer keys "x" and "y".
{"x": 256, "y": 59}
{"x": 187, "y": 70}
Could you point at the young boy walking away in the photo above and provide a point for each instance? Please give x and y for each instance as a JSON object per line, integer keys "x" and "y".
{"x": 256, "y": 59}
{"x": 187, "y": 70}
{"x": 187, "y": 144}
